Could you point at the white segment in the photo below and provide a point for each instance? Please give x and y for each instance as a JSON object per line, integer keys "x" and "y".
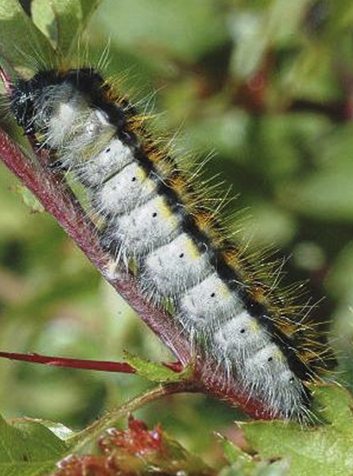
{"x": 65, "y": 107}
{"x": 240, "y": 338}
{"x": 61, "y": 122}
{"x": 211, "y": 299}
{"x": 267, "y": 372}
{"x": 96, "y": 122}
{"x": 124, "y": 191}
{"x": 86, "y": 131}
{"x": 175, "y": 267}
{"x": 265, "y": 366}
{"x": 248, "y": 349}
{"x": 286, "y": 394}
{"x": 112, "y": 159}
{"x": 145, "y": 228}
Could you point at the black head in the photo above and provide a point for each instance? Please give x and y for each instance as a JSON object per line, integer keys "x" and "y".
{"x": 22, "y": 103}
{"x": 25, "y": 94}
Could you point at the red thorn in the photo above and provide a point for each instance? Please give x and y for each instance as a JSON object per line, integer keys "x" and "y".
{"x": 175, "y": 366}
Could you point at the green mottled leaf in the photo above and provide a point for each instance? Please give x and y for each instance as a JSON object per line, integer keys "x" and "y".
{"x": 21, "y": 42}
{"x": 63, "y": 20}
{"x": 28, "y": 448}
{"x": 322, "y": 449}
{"x": 155, "y": 372}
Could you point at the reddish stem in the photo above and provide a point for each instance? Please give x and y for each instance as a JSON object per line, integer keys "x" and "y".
{"x": 104, "y": 366}
{"x": 83, "y": 364}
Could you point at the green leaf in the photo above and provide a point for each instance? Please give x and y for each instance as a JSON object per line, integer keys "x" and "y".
{"x": 44, "y": 18}
{"x": 323, "y": 449}
{"x": 59, "y": 430}
{"x": 232, "y": 452}
{"x": 29, "y": 199}
{"x": 63, "y": 20}
{"x": 156, "y": 372}
{"x": 278, "y": 468}
{"x": 21, "y": 43}
{"x": 28, "y": 448}
{"x": 241, "y": 463}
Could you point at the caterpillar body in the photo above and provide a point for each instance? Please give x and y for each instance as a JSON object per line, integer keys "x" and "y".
{"x": 156, "y": 217}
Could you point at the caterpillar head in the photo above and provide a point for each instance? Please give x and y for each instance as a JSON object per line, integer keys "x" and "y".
{"x": 22, "y": 101}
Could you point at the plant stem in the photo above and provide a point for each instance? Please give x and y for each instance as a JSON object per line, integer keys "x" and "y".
{"x": 83, "y": 364}
{"x": 104, "y": 366}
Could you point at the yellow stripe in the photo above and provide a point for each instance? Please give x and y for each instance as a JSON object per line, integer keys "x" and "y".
{"x": 192, "y": 249}
{"x": 166, "y": 212}
{"x": 224, "y": 291}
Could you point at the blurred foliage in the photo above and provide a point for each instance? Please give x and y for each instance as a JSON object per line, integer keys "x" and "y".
{"x": 266, "y": 88}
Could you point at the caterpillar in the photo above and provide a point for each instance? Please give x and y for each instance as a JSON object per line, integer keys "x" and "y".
{"x": 156, "y": 221}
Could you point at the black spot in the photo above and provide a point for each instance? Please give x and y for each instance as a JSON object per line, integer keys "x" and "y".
{"x": 213, "y": 294}
{"x": 133, "y": 179}
{"x": 181, "y": 255}
{"x": 270, "y": 359}
{"x": 107, "y": 150}
{"x": 154, "y": 214}
{"x": 242, "y": 331}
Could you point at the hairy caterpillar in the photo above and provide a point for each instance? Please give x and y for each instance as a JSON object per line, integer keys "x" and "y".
{"x": 155, "y": 218}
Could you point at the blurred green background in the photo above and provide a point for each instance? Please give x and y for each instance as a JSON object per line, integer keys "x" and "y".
{"x": 266, "y": 87}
